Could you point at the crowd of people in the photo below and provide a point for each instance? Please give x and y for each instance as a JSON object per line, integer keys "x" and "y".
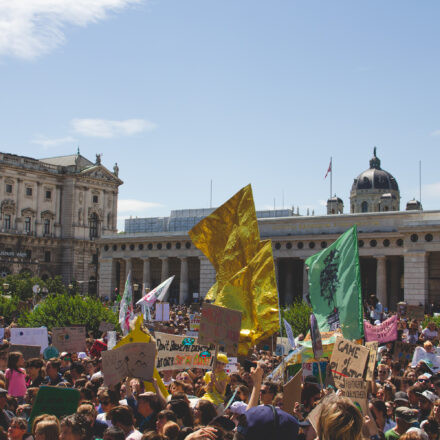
{"x": 403, "y": 400}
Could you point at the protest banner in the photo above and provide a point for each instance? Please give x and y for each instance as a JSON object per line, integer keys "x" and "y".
{"x": 384, "y": 332}
{"x": 29, "y": 336}
{"x": 311, "y": 369}
{"x": 70, "y": 339}
{"x": 292, "y": 392}
{"x": 403, "y": 352}
{"x": 131, "y": 360}
{"x": 55, "y": 401}
{"x": 356, "y": 390}
{"x": 28, "y": 351}
{"x": 220, "y": 326}
{"x": 194, "y": 322}
{"x": 162, "y": 312}
{"x": 176, "y": 352}
{"x": 431, "y": 359}
{"x": 106, "y": 326}
{"x": 348, "y": 360}
{"x": 231, "y": 367}
{"x": 371, "y": 364}
{"x": 415, "y": 312}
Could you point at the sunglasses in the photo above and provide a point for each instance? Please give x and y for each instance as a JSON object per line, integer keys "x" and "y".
{"x": 423, "y": 380}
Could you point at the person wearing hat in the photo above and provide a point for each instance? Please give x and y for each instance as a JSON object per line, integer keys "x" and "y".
{"x": 426, "y": 402}
{"x": 216, "y": 381}
{"x": 405, "y": 417}
{"x": 401, "y": 399}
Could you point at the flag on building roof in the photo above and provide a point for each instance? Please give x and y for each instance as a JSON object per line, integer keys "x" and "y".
{"x": 329, "y": 169}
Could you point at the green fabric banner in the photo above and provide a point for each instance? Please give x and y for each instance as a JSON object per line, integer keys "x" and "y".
{"x": 335, "y": 286}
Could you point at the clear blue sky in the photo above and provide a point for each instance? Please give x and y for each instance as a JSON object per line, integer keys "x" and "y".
{"x": 237, "y": 91}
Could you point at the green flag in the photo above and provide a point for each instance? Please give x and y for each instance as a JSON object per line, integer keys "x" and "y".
{"x": 335, "y": 286}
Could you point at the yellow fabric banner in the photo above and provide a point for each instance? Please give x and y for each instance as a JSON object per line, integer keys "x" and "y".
{"x": 230, "y": 239}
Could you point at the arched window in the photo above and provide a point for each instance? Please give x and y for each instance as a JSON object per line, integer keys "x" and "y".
{"x": 364, "y": 207}
{"x": 93, "y": 225}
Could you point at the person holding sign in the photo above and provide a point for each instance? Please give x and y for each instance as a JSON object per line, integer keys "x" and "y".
{"x": 216, "y": 381}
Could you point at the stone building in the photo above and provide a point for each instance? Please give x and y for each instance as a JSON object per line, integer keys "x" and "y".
{"x": 51, "y": 212}
{"x": 399, "y": 250}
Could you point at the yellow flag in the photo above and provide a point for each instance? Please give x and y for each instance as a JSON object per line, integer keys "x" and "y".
{"x": 230, "y": 239}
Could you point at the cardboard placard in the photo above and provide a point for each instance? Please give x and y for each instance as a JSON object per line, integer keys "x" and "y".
{"x": 221, "y": 326}
{"x": 371, "y": 363}
{"x": 314, "y": 416}
{"x": 384, "y": 332}
{"x": 415, "y": 312}
{"x": 292, "y": 392}
{"x": 403, "y": 352}
{"x": 194, "y": 322}
{"x": 30, "y": 336}
{"x": 356, "y": 390}
{"x": 106, "y": 326}
{"x": 130, "y": 360}
{"x": 162, "y": 312}
{"x": 70, "y": 339}
{"x": 28, "y": 351}
{"x": 56, "y": 401}
{"x": 176, "y": 352}
{"x": 232, "y": 367}
{"x": 348, "y": 360}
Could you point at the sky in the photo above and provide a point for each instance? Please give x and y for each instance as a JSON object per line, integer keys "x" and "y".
{"x": 182, "y": 92}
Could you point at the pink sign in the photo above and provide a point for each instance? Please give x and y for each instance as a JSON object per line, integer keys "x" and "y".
{"x": 384, "y": 332}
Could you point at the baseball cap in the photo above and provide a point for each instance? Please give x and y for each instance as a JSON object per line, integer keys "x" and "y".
{"x": 428, "y": 395}
{"x": 401, "y": 396}
{"x": 238, "y": 408}
{"x": 406, "y": 414}
{"x": 267, "y": 421}
{"x": 221, "y": 357}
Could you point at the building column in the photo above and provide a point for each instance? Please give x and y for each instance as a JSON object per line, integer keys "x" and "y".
{"x": 18, "y": 219}
{"x": 277, "y": 273}
{"x": 207, "y": 276}
{"x": 115, "y": 211}
{"x": 146, "y": 277}
{"x": 416, "y": 278}
{"x": 165, "y": 269}
{"x": 37, "y": 229}
{"x": 381, "y": 280}
{"x": 106, "y": 276}
{"x": 305, "y": 292}
{"x": 184, "y": 285}
{"x": 395, "y": 284}
{"x": 288, "y": 298}
{"x": 128, "y": 267}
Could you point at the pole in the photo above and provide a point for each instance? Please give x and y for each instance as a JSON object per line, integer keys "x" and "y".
{"x": 420, "y": 182}
{"x": 331, "y": 177}
{"x": 281, "y": 327}
{"x": 210, "y": 196}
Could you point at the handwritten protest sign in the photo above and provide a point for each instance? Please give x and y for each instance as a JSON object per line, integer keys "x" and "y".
{"x": 415, "y": 312}
{"x": 56, "y": 401}
{"x": 70, "y": 339}
{"x": 371, "y": 364}
{"x": 356, "y": 390}
{"x": 179, "y": 352}
{"x": 220, "y": 326}
{"x": 194, "y": 322}
{"x": 292, "y": 392}
{"x": 403, "y": 352}
{"x": 232, "y": 366}
{"x": 28, "y": 351}
{"x": 106, "y": 326}
{"x": 129, "y": 360}
{"x": 430, "y": 358}
{"x": 384, "y": 332}
{"x": 29, "y": 336}
{"x": 348, "y": 360}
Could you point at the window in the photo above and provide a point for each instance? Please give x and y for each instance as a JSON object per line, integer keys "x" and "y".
{"x": 95, "y": 259}
{"x": 27, "y": 224}
{"x": 47, "y": 256}
{"x": 8, "y": 188}
{"x": 48, "y": 194}
{"x": 28, "y": 254}
{"x": 7, "y": 221}
{"x": 93, "y": 226}
{"x": 95, "y": 199}
{"x": 29, "y": 191}
{"x": 364, "y": 207}
{"x": 46, "y": 226}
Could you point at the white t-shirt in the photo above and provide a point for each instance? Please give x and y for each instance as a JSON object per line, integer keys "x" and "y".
{"x": 102, "y": 418}
{"x": 430, "y": 334}
{"x": 134, "y": 435}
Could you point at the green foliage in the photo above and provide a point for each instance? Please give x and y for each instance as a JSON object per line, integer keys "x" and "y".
{"x": 9, "y": 308}
{"x": 65, "y": 310}
{"x": 429, "y": 319}
{"x": 20, "y": 285}
{"x": 298, "y": 316}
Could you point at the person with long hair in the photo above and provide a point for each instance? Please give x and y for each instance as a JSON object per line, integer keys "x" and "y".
{"x": 35, "y": 373}
{"x": 16, "y": 376}
{"x": 204, "y": 412}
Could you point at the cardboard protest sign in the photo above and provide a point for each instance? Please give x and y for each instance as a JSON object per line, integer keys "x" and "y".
{"x": 384, "y": 332}
{"x": 30, "y": 336}
{"x": 356, "y": 390}
{"x": 403, "y": 352}
{"x": 28, "y": 351}
{"x": 55, "y": 401}
{"x": 415, "y": 312}
{"x": 231, "y": 367}
{"x": 371, "y": 364}
{"x": 176, "y": 352}
{"x": 220, "y": 326}
{"x": 348, "y": 360}
{"x": 131, "y": 360}
{"x": 70, "y": 339}
{"x": 106, "y": 326}
{"x": 311, "y": 369}
{"x": 194, "y": 322}
{"x": 314, "y": 415}
{"x": 401, "y": 309}
{"x": 162, "y": 312}
{"x": 431, "y": 359}
{"x": 292, "y": 392}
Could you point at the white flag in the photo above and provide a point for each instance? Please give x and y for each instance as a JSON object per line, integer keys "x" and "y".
{"x": 157, "y": 294}
{"x": 289, "y": 334}
{"x": 126, "y": 307}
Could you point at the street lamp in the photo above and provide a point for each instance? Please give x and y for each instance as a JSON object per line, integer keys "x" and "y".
{"x": 70, "y": 287}
{"x": 5, "y": 290}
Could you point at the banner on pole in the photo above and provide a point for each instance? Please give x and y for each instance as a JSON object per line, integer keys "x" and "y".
{"x": 384, "y": 332}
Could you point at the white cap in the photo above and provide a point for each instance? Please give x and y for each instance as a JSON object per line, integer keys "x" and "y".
{"x": 238, "y": 408}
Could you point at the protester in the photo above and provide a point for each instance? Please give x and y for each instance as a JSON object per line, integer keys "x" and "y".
{"x": 16, "y": 376}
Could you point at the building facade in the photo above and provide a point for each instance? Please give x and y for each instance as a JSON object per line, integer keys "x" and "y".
{"x": 399, "y": 250}
{"x": 51, "y": 213}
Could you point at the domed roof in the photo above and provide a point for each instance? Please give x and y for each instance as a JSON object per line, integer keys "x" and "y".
{"x": 375, "y": 177}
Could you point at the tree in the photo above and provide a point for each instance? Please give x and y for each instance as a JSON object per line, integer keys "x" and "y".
{"x": 298, "y": 316}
